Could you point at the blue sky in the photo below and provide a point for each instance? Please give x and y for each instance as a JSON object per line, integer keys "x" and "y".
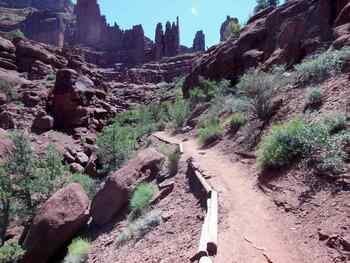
{"x": 194, "y": 15}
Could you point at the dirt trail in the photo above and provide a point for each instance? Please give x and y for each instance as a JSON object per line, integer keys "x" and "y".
{"x": 252, "y": 230}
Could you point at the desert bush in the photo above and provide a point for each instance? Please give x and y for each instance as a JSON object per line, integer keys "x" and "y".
{"x": 322, "y": 66}
{"x": 258, "y": 87}
{"x": 77, "y": 251}
{"x": 139, "y": 228}
{"x": 11, "y": 253}
{"x": 115, "y": 145}
{"x": 314, "y": 98}
{"x": 51, "y": 77}
{"x": 26, "y": 181}
{"x": 334, "y": 122}
{"x": 210, "y": 131}
{"x": 88, "y": 184}
{"x": 141, "y": 198}
{"x": 233, "y": 30}
{"x": 290, "y": 141}
{"x": 178, "y": 112}
{"x": 204, "y": 92}
{"x": 50, "y": 168}
{"x": 237, "y": 121}
{"x": 9, "y": 90}
{"x": 173, "y": 157}
{"x": 15, "y": 34}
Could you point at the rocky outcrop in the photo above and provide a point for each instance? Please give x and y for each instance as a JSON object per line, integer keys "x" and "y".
{"x": 70, "y": 97}
{"x": 92, "y": 30}
{"x": 116, "y": 191}
{"x": 199, "y": 42}
{"x": 58, "y": 221}
{"x": 224, "y": 26}
{"x": 45, "y": 26}
{"x": 283, "y": 35}
{"x": 56, "y": 5}
{"x": 28, "y": 52}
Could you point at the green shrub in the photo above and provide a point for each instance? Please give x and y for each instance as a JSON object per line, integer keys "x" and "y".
{"x": 88, "y": 184}
{"x": 15, "y": 34}
{"x": 290, "y": 141}
{"x": 206, "y": 91}
{"x": 173, "y": 158}
{"x": 9, "y": 90}
{"x": 237, "y": 121}
{"x": 11, "y": 253}
{"x": 322, "y": 66}
{"x": 258, "y": 87}
{"x": 115, "y": 146}
{"x": 232, "y": 29}
{"x": 314, "y": 98}
{"x": 178, "y": 112}
{"x": 51, "y": 77}
{"x": 139, "y": 228}
{"x": 210, "y": 131}
{"x": 142, "y": 197}
{"x": 26, "y": 181}
{"x": 77, "y": 251}
{"x": 335, "y": 122}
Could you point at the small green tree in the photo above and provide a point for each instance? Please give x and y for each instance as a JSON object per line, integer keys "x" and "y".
{"x": 26, "y": 182}
{"x": 115, "y": 145}
{"x": 233, "y": 30}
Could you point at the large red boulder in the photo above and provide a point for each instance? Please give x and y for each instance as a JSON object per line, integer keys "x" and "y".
{"x": 71, "y": 94}
{"x": 116, "y": 191}
{"x": 28, "y": 52}
{"x": 6, "y": 45}
{"x": 58, "y": 221}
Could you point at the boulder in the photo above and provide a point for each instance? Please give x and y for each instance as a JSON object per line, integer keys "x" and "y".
{"x": 116, "y": 191}
{"x": 27, "y": 52}
{"x": 43, "y": 123}
{"x": 71, "y": 95}
{"x": 6, "y": 45}
{"x": 57, "y": 222}
{"x": 7, "y": 120}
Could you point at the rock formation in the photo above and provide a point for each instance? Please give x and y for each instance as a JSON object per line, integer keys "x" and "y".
{"x": 118, "y": 187}
{"x": 54, "y": 5}
{"x": 167, "y": 44}
{"x": 45, "y": 26}
{"x": 199, "y": 42}
{"x": 224, "y": 26}
{"x": 59, "y": 219}
{"x": 283, "y": 35}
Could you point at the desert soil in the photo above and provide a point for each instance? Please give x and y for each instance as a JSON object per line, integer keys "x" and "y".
{"x": 252, "y": 229}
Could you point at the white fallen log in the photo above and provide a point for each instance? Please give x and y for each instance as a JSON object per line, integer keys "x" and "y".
{"x": 205, "y": 260}
{"x": 212, "y": 245}
{"x": 203, "y": 182}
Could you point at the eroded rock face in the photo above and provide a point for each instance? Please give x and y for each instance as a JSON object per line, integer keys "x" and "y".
{"x": 45, "y": 26}
{"x": 57, "y": 5}
{"x": 117, "y": 189}
{"x": 58, "y": 221}
{"x": 199, "y": 42}
{"x": 69, "y": 98}
{"x": 224, "y": 25}
{"x": 300, "y": 28}
{"x": 28, "y": 52}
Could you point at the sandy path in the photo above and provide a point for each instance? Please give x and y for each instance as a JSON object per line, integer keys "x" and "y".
{"x": 252, "y": 231}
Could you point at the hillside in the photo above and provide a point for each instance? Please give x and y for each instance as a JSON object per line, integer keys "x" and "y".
{"x": 138, "y": 151}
